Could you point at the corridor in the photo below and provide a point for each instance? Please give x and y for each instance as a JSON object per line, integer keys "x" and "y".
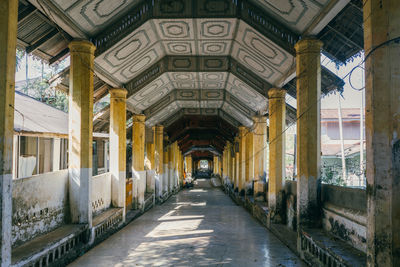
{"x": 196, "y": 227}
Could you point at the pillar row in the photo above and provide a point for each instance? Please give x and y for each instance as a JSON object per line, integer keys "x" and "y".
{"x": 80, "y": 130}
{"x": 277, "y": 122}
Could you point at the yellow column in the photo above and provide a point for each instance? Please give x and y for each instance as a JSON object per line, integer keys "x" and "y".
{"x": 249, "y": 156}
{"x": 180, "y": 166}
{"x": 189, "y": 164}
{"x": 8, "y": 40}
{"x": 138, "y": 142}
{"x": 171, "y": 167}
{"x": 260, "y": 146}
{"x": 308, "y": 69}
{"x": 166, "y": 165}
{"x": 242, "y": 159}
{"x": 150, "y": 155}
{"x": 382, "y": 125}
{"x": 118, "y": 146}
{"x": 159, "y": 148}
{"x": 229, "y": 161}
{"x": 236, "y": 164}
{"x": 224, "y": 166}
{"x": 277, "y": 122}
{"x": 215, "y": 164}
{"x": 80, "y": 130}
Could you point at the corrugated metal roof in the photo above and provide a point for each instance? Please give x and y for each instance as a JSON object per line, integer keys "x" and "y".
{"x": 32, "y": 115}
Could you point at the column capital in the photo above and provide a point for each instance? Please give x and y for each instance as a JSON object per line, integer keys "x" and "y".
{"x": 159, "y": 128}
{"x": 139, "y": 118}
{"x": 308, "y": 45}
{"x": 260, "y": 119}
{"x": 242, "y": 130}
{"x": 276, "y": 93}
{"x": 118, "y": 92}
{"x": 81, "y": 46}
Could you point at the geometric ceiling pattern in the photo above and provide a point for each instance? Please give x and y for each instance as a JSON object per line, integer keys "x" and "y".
{"x": 195, "y": 37}
{"x": 207, "y": 90}
{"x": 296, "y": 15}
{"x": 93, "y": 15}
{"x": 193, "y": 57}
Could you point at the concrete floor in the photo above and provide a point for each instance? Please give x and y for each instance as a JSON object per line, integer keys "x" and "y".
{"x": 197, "y": 227}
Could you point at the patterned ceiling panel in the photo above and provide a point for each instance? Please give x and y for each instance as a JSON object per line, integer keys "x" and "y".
{"x": 192, "y": 89}
{"x": 91, "y": 16}
{"x": 296, "y": 14}
{"x": 246, "y": 94}
{"x": 162, "y": 115}
{"x": 196, "y": 111}
{"x": 232, "y": 111}
{"x": 156, "y": 38}
{"x": 260, "y": 54}
{"x": 151, "y": 93}
{"x": 132, "y": 55}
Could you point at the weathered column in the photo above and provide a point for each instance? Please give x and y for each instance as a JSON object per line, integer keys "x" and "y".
{"x": 166, "y": 165}
{"x": 189, "y": 164}
{"x": 249, "y": 159}
{"x": 171, "y": 167}
{"x": 236, "y": 164}
{"x": 180, "y": 167}
{"x": 224, "y": 165}
{"x": 215, "y": 164}
{"x": 382, "y": 84}
{"x": 138, "y": 172}
{"x": 138, "y": 142}
{"x": 277, "y": 122}
{"x": 8, "y": 40}
{"x": 242, "y": 159}
{"x": 118, "y": 146}
{"x": 260, "y": 156}
{"x": 80, "y": 130}
{"x": 260, "y": 146}
{"x": 159, "y": 148}
{"x": 308, "y": 71}
{"x": 158, "y": 158}
{"x": 229, "y": 161}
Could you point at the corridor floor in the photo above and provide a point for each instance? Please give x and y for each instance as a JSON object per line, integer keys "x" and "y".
{"x": 197, "y": 227}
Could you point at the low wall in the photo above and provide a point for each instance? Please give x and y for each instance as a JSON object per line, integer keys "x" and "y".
{"x": 101, "y": 192}
{"x": 138, "y": 188}
{"x": 345, "y": 214}
{"x": 40, "y": 204}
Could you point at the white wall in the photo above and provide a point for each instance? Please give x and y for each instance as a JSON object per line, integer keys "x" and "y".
{"x": 101, "y": 192}
{"x": 40, "y": 204}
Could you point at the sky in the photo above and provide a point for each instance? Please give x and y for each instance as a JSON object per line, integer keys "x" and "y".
{"x": 350, "y": 99}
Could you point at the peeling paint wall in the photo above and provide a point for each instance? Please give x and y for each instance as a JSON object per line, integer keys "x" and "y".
{"x": 290, "y": 193}
{"x": 40, "y": 204}
{"x": 101, "y": 192}
{"x": 345, "y": 214}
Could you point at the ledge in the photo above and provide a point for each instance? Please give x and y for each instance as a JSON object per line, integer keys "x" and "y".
{"x": 50, "y": 247}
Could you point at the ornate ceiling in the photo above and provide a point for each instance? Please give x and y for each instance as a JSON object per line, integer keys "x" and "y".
{"x": 204, "y": 57}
